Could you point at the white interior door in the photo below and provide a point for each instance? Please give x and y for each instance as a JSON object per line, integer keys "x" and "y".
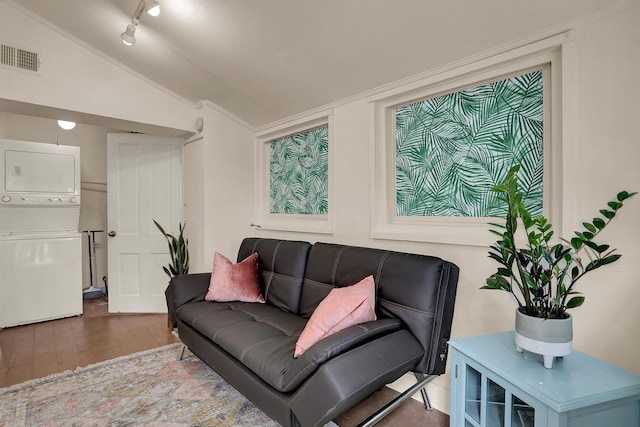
{"x": 144, "y": 182}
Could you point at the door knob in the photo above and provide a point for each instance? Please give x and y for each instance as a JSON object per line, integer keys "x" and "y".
{"x": 112, "y": 233}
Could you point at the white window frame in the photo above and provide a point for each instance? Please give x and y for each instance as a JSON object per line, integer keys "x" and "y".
{"x": 264, "y": 219}
{"x": 473, "y": 231}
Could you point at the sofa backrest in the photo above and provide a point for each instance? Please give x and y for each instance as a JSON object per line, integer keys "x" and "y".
{"x": 417, "y": 289}
{"x": 281, "y": 265}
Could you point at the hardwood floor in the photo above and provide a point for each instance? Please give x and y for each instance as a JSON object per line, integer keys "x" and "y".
{"x": 41, "y": 349}
{"x": 410, "y": 413}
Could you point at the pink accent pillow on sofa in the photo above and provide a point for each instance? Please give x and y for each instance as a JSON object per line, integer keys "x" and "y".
{"x": 234, "y": 282}
{"x": 341, "y": 308}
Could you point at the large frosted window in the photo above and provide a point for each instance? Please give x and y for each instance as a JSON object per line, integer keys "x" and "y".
{"x": 452, "y": 149}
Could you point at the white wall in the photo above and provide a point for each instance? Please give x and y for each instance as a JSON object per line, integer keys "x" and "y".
{"x": 218, "y": 165}
{"x": 606, "y": 150}
{"x": 600, "y": 159}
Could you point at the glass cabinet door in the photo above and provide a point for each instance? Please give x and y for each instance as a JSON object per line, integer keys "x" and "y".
{"x": 495, "y": 404}
{"x": 487, "y": 404}
{"x": 473, "y": 395}
{"x": 522, "y": 414}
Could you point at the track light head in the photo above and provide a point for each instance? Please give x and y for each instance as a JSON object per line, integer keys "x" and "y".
{"x": 152, "y": 7}
{"x": 128, "y": 37}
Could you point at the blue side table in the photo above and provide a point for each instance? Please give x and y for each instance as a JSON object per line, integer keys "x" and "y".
{"x": 492, "y": 385}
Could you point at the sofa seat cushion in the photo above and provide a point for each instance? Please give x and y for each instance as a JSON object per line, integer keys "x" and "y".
{"x": 263, "y": 338}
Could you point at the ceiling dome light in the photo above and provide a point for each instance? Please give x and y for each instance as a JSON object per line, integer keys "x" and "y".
{"x": 128, "y": 37}
{"x": 66, "y": 125}
{"x": 152, "y": 7}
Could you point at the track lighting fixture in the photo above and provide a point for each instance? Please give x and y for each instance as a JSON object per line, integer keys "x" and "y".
{"x": 128, "y": 37}
{"x": 152, "y": 7}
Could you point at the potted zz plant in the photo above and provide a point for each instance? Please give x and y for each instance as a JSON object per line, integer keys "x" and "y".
{"x": 543, "y": 273}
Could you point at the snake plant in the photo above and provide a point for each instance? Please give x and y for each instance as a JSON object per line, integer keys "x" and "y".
{"x": 178, "y": 250}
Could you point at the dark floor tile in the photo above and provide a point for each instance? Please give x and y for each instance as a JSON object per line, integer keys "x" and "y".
{"x": 44, "y": 369}
{"x": 68, "y": 362}
{"x": 410, "y": 413}
{"x": 19, "y": 374}
{"x": 20, "y": 357}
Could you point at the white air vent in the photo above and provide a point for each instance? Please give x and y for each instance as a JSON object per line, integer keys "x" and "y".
{"x": 20, "y": 59}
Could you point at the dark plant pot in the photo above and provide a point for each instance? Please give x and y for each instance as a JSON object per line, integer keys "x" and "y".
{"x": 549, "y": 337}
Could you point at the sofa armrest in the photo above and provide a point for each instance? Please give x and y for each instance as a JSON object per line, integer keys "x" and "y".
{"x": 186, "y": 289}
{"x": 349, "y": 378}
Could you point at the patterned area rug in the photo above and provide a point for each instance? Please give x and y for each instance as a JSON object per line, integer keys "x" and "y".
{"x": 151, "y": 388}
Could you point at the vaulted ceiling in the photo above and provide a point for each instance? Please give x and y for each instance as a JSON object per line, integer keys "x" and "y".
{"x": 264, "y": 60}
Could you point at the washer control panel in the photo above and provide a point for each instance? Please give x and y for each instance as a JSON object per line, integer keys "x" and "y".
{"x": 38, "y": 200}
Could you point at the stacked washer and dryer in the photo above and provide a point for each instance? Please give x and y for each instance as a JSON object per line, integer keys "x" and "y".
{"x": 40, "y": 246}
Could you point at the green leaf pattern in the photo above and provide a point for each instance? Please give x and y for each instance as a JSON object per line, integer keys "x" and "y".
{"x": 452, "y": 149}
{"x": 299, "y": 168}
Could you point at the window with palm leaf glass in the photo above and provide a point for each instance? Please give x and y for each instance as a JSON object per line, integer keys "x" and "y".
{"x": 298, "y": 173}
{"x": 452, "y": 149}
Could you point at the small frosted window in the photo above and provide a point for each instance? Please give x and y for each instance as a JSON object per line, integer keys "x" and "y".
{"x": 299, "y": 167}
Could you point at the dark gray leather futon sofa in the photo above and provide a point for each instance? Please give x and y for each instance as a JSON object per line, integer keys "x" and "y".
{"x": 251, "y": 345}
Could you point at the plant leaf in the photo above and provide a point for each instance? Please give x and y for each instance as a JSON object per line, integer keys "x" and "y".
{"x": 599, "y": 223}
{"x": 614, "y": 205}
{"x": 610, "y": 259}
{"x": 576, "y": 243}
{"x": 166, "y": 270}
{"x": 607, "y": 213}
{"x": 624, "y": 195}
{"x": 575, "y": 302}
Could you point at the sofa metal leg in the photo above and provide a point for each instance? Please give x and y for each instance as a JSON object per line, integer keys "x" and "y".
{"x": 184, "y": 347}
{"x": 423, "y": 380}
{"x": 423, "y": 390}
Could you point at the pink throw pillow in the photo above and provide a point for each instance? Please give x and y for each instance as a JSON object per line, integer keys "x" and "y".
{"x": 343, "y": 307}
{"x": 234, "y": 282}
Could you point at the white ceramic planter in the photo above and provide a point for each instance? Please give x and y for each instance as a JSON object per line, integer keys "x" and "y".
{"x": 549, "y": 337}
